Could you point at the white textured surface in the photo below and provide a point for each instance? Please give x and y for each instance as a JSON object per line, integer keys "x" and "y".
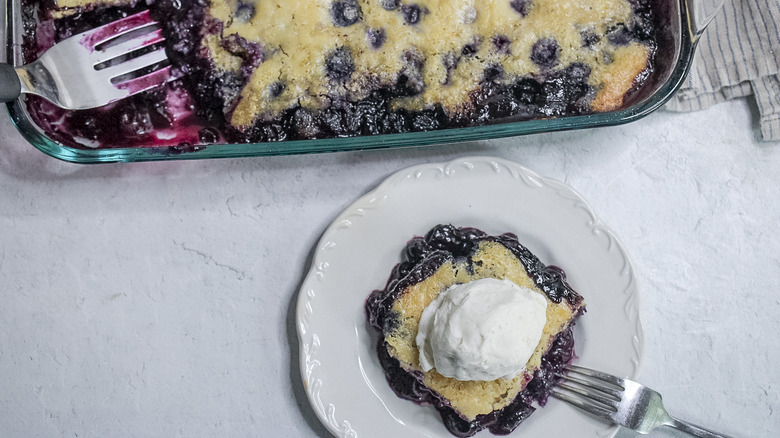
{"x": 158, "y": 299}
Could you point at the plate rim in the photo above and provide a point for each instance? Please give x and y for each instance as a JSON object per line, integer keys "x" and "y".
{"x": 307, "y": 347}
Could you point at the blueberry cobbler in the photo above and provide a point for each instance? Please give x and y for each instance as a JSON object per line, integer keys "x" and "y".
{"x": 265, "y": 70}
{"x": 474, "y": 325}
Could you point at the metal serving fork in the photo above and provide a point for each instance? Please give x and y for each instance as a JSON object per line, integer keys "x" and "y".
{"x": 94, "y": 68}
{"x": 623, "y": 401}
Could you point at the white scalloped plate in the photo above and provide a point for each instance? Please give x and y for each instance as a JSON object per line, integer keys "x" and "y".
{"x": 342, "y": 376}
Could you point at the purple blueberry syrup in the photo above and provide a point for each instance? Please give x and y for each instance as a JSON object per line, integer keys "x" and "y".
{"x": 422, "y": 257}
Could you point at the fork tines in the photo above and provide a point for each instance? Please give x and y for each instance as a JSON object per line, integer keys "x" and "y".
{"x": 116, "y": 29}
{"x": 127, "y": 49}
{"x": 592, "y": 391}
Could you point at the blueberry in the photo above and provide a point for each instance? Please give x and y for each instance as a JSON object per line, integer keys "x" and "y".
{"x": 441, "y": 236}
{"x": 276, "y": 89}
{"x": 390, "y": 5}
{"x": 339, "y": 64}
{"x": 509, "y": 419}
{"x": 619, "y": 35}
{"x": 503, "y": 44}
{"x": 472, "y": 48}
{"x": 208, "y": 135}
{"x": 376, "y": 37}
{"x": 428, "y": 120}
{"x": 345, "y": 12}
{"x": 493, "y": 73}
{"x": 415, "y": 249}
{"x": 410, "y": 79}
{"x": 642, "y": 27}
{"x": 413, "y": 58}
{"x": 135, "y": 122}
{"x": 471, "y": 234}
{"x": 589, "y": 38}
{"x": 577, "y": 72}
{"x": 226, "y": 85}
{"x": 244, "y": 12}
{"x": 521, "y": 6}
{"x": 306, "y": 124}
{"x": 527, "y": 91}
{"x": 545, "y": 53}
{"x": 567, "y": 90}
{"x": 458, "y": 241}
{"x": 450, "y": 62}
{"x": 272, "y": 131}
{"x": 411, "y": 13}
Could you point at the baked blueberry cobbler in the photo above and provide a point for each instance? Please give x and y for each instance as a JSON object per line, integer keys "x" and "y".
{"x": 474, "y": 325}
{"x": 269, "y": 70}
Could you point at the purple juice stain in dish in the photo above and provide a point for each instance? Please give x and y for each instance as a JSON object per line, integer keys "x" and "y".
{"x": 160, "y": 117}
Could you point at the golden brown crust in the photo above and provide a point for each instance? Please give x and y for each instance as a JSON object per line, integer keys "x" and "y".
{"x": 620, "y": 75}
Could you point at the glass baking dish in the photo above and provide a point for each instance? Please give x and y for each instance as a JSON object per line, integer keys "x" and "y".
{"x": 679, "y": 24}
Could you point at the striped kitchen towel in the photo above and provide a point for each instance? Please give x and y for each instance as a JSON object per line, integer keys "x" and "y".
{"x": 737, "y": 56}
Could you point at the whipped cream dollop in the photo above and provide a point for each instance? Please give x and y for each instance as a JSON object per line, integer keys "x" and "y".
{"x": 481, "y": 330}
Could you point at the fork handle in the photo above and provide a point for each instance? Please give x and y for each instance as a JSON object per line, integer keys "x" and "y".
{"x": 10, "y": 85}
{"x": 694, "y": 430}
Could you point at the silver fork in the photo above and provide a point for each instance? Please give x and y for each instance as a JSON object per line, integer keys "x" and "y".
{"x": 94, "y": 68}
{"x": 622, "y": 401}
